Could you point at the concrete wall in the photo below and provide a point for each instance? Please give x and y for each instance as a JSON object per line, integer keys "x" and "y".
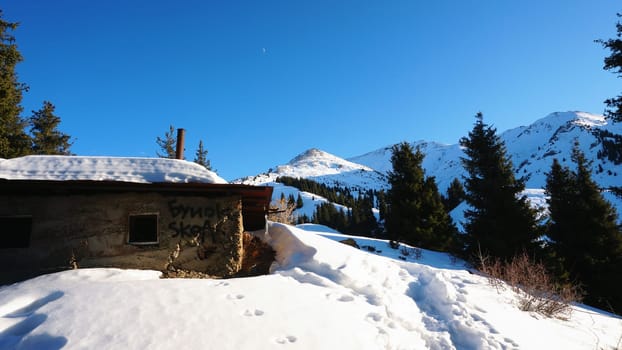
{"x": 194, "y": 233}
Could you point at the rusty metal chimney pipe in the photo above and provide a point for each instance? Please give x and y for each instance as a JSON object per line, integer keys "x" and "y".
{"x": 181, "y": 138}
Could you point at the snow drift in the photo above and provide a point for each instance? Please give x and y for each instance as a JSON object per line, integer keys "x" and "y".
{"x": 320, "y": 295}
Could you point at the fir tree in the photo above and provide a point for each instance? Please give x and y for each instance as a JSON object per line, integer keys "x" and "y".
{"x": 500, "y": 221}
{"x": 299, "y": 202}
{"x": 200, "y": 157}
{"x": 363, "y": 221}
{"x": 14, "y": 141}
{"x": 613, "y": 63}
{"x": 455, "y": 195}
{"x": 167, "y": 144}
{"x": 584, "y": 234}
{"x": 303, "y": 219}
{"x": 382, "y": 204}
{"x": 291, "y": 200}
{"x": 415, "y": 212}
{"x": 561, "y": 193}
{"x": 46, "y": 138}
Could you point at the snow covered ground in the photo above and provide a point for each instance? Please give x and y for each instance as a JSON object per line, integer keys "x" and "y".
{"x": 320, "y": 295}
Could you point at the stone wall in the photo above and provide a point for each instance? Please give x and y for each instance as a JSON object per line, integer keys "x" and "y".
{"x": 125, "y": 230}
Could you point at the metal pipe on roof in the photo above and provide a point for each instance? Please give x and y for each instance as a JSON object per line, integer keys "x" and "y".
{"x": 181, "y": 137}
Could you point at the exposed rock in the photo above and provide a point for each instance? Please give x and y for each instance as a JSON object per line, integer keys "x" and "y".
{"x": 258, "y": 257}
{"x": 350, "y": 242}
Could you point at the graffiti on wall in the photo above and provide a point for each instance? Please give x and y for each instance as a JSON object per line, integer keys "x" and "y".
{"x": 195, "y": 221}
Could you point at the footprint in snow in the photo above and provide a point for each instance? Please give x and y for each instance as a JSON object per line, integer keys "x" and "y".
{"x": 343, "y": 298}
{"x": 251, "y": 313}
{"x": 346, "y": 298}
{"x": 511, "y": 342}
{"x": 480, "y": 319}
{"x": 373, "y": 316}
{"x": 235, "y": 296}
{"x": 286, "y": 339}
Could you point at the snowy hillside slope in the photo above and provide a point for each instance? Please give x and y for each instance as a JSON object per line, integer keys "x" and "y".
{"x": 323, "y": 167}
{"x": 320, "y": 295}
{"x": 441, "y": 161}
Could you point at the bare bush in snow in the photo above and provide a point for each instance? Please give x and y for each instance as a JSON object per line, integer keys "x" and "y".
{"x": 537, "y": 291}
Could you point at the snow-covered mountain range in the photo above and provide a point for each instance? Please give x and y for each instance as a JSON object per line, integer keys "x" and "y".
{"x": 532, "y": 149}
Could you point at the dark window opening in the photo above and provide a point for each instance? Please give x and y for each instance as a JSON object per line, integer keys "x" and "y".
{"x": 143, "y": 229}
{"x": 15, "y": 231}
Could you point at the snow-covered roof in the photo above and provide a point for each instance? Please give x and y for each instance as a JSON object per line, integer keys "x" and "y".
{"x": 122, "y": 169}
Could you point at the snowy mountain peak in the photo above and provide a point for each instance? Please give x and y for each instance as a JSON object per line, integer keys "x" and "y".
{"x": 329, "y": 169}
{"x": 565, "y": 120}
{"x": 312, "y": 154}
{"x": 574, "y": 117}
{"x": 323, "y": 167}
{"x": 320, "y": 162}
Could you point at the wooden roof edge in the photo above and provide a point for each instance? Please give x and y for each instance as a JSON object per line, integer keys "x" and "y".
{"x": 126, "y": 183}
{"x": 247, "y": 191}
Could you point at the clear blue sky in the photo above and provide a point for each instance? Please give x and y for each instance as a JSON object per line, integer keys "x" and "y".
{"x": 261, "y": 81}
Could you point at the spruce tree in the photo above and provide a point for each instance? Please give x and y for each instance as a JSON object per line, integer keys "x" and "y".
{"x": 299, "y": 202}
{"x": 363, "y": 221}
{"x": 561, "y": 193}
{"x": 368, "y": 219}
{"x": 167, "y": 144}
{"x": 46, "y": 138}
{"x": 415, "y": 212}
{"x": 613, "y": 63}
{"x": 455, "y": 195}
{"x": 14, "y": 141}
{"x": 200, "y": 157}
{"x": 291, "y": 200}
{"x": 584, "y": 233}
{"x": 500, "y": 221}
{"x": 382, "y": 204}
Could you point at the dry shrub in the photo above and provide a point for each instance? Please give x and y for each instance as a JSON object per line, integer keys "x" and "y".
{"x": 405, "y": 251}
{"x": 533, "y": 283}
{"x": 258, "y": 257}
{"x": 417, "y": 253}
{"x": 282, "y": 211}
{"x": 493, "y": 269}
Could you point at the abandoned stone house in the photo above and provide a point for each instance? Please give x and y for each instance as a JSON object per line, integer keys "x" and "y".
{"x": 162, "y": 214}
